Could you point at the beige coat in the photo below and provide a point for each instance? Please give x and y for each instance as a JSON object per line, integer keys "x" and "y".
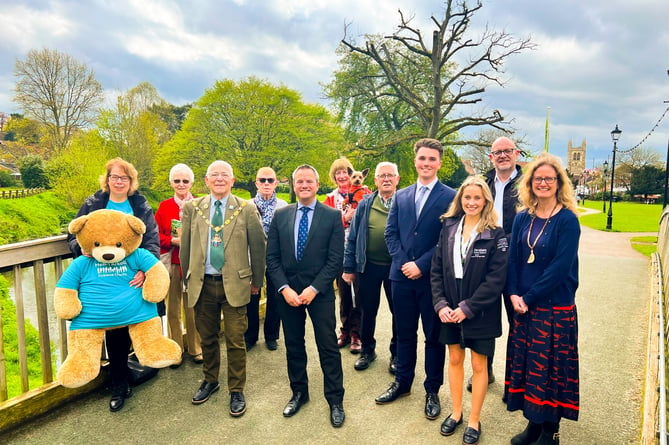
{"x": 244, "y": 241}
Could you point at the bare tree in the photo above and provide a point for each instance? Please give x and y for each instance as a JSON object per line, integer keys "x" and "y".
{"x": 458, "y": 67}
{"x": 57, "y": 91}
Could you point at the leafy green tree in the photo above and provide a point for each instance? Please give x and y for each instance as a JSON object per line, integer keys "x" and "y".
{"x": 6, "y": 180}
{"x": 33, "y": 172}
{"x": 134, "y": 132}
{"x": 250, "y": 124}
{"x": 58, "y": 92}
{"x": 647, "y": 180}
{"x": 75, "y": 172}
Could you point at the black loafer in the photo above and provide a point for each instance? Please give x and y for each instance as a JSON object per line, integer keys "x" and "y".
{"x": 271, "y": 344}
{"x": 471, "y": 436}
{"x": 449, "y": 425}
{"x": 391, "y": 394}
{"x": 118, "y": 398}
{"x": 432, "y": 405}
{"x": 295, "y": 403}
{"x": 364, "y": 361}
{"x": 237, "y": 404}
{"x": 337, "y": 415}
{"x": 206, "y": 389}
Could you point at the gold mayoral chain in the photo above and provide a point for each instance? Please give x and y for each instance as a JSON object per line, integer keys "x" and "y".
{"x": 530, "y": 259}
{"x": 217, "y": 239}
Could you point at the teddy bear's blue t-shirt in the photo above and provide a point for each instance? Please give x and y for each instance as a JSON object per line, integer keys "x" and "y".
{"x": 107, "y": 299}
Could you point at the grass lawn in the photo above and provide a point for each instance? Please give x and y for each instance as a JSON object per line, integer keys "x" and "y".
{"x": 627, "y": 217}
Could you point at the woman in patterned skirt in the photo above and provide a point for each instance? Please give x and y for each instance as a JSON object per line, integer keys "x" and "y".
{"x": 542, "y": 353}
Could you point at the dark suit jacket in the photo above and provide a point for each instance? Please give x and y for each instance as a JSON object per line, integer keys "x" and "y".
{"x": 323, "y": 253}
{"x": 411, "y": 240}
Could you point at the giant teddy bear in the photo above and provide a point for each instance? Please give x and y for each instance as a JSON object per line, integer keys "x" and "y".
{"x": 94, "y": 292}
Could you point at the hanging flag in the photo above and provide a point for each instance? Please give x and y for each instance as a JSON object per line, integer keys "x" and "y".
{"x": 548, "y": 113}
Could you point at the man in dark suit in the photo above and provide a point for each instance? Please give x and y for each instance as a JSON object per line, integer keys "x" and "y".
{"x": 304, "y": 255}
{"x": 223, "y": 261}
{"x": 412, "y": 232}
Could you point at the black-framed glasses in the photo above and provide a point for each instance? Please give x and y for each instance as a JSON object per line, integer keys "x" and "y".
{"x": 114, "y": 178}
{"x": 266, "y": 180}
{"x": 499, "y": 153}
{"x": 179, "y": 181}
{"x": 386, "y": 176}
{"x": 549, "y": 180}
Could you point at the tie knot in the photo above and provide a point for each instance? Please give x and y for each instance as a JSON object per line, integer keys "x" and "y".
{"x": 217, "y": 203}
{"x": 305, "y": 209}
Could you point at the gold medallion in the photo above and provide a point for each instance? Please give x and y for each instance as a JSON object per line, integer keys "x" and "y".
{"x": 530, "y": 259}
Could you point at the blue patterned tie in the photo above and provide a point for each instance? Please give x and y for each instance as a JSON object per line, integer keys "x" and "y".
{"x": 216, "y": 249}
{"x": 302, "y": 232}
{"x": 420, "y": 201}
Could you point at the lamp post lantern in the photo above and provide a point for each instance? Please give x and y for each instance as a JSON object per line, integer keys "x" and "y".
{"x": 615, "y": 135}
{"x": 605, "y": 172}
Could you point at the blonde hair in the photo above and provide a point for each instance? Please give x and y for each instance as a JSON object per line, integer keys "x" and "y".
{"x": 488, "y": 214}
{"x": 340, "y": 164}
{"x": 565, "y": 191}
{"x": 129, "y": 170}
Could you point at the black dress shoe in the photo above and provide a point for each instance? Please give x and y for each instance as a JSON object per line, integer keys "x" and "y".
{"x": 237, "y": 404}
{"x": 118, "y": 398}
{"x": 337, "y": 415}
{"x": 295, "y": 403}
{"x": 392, "y": 366}
{"x": 471, "y": 436}
{"x": 449, "y": 425}
{"x": 432, "y": 405}
{"x": 391, "y": 394}
{"x": 271, "y": 344}
{"x": 206, "y": 389}
{"x": 249, "y": 345}
{"x": 364, "y": 360}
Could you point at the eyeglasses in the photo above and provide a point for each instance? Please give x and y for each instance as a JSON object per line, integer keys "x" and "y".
{"x": 386, "y": 176}
{"x": 499, "y": 153}
{"x": 114, "y": 178}
{"x": 219, "y": 175}
{"x": 549, "y": 180}
{"x": 266, "y": 180}
{"x": 179, "y": 181}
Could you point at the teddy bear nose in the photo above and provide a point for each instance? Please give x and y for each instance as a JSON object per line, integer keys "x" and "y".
{"x": 108, "y": 256}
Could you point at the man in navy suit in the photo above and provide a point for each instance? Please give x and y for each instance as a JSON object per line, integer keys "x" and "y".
{"x": 305, "y": 252}
{"x": 412, "y": 232}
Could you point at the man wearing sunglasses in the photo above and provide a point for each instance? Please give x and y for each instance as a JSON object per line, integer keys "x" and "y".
{"x": 502, "y": 182}
{"x": 267, "y": 203}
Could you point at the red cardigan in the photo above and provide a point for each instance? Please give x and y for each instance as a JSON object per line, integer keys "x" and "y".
{"x": 167, "y": 211}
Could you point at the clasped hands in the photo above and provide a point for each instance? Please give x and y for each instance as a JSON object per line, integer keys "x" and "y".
{"x": 295, "y": 300}
{"x": 411, "y": 270}
{"x": 448, "y": 315}
{"x": 518, "y": 304}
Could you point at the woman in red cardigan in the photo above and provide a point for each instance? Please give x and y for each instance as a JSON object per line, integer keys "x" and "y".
{"x": 168, "y": 218}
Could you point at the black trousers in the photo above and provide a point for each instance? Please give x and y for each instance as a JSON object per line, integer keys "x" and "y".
{"x": 369, "y": 298}
{"x": 322, "y": 314}
{"x": 272, "y": 322}
{"x": 118, "y": 346}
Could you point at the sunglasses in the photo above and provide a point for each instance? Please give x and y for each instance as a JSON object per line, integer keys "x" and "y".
{"x": 179, "y": 181}
{"x": 264, "y": 180}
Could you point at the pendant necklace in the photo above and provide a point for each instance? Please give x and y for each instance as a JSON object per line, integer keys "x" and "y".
{"x": 530, "y": 259}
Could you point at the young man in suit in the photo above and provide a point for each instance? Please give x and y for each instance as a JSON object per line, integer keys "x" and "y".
{"x": 412, "y": 232}
{"x": 223, "y": 262}
{"x": 304, "y": 255}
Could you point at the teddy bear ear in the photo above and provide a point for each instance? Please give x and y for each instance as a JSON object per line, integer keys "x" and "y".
{"x": 77, "y": 224}
{"x": 136, "y": 224}
{"x": 364, "y": 172}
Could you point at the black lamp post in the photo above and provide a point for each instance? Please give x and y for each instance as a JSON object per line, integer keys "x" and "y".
{"x": 605, "y": 172}
{"x": 615, "y": 135}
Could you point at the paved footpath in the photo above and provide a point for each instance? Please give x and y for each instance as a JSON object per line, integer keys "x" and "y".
{"x": 612, "y": 307}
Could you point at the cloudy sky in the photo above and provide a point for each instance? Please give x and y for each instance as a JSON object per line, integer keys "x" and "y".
{"x": 598, "y": 62}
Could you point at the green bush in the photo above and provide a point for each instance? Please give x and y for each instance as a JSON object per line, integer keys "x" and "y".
{"x": 10, "y": 333}
{"x": 6, "y": 180}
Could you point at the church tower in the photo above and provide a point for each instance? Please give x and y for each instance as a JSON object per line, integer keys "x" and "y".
{"x": 576, "y": 158}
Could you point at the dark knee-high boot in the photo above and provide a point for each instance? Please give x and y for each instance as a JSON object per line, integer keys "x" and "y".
{"x": 530, "y": 434}
{"x": 550, "y": 434}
